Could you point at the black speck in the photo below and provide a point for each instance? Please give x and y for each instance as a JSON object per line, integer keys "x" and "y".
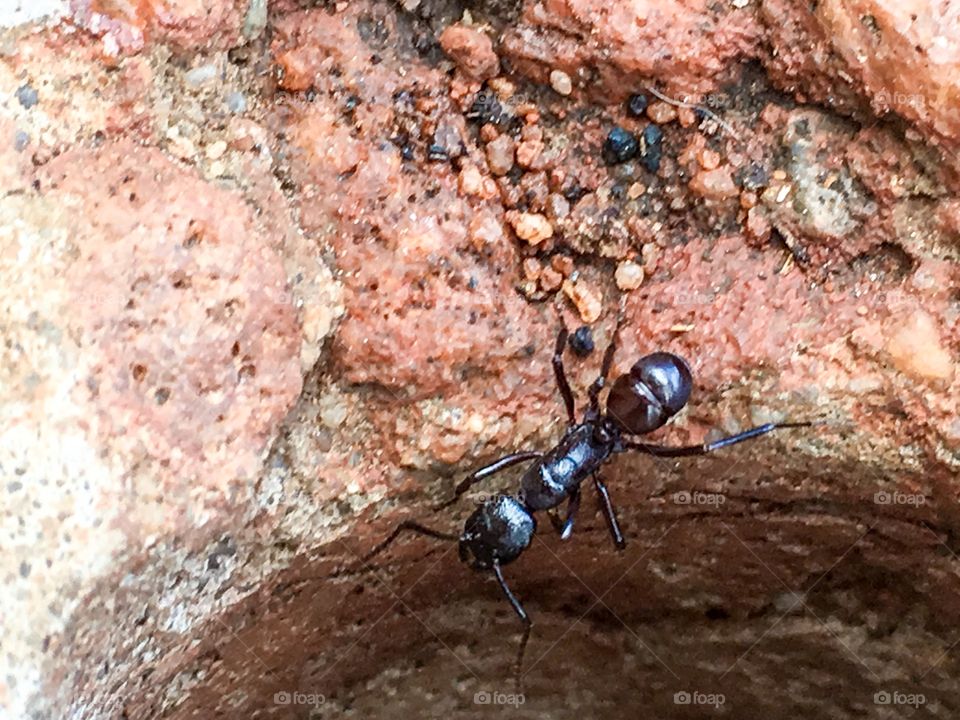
{"x": 24, "y": 569}
{"x": 652, "y": 141}
{"x": 620, "y": 146}
{"x": 581, "y": 342}
{"x": 484, "y": 109}
{"x": 162, "y": 395}
{"x": 752, "y": 177}
{"x": 27, "y": 96}
{"x": 637, "y": 105}
{"x": 472, "y": 283}
{"x": 436, "y": 153}
{"x": 574, "y": 192}
{"x": 14, "y": 486}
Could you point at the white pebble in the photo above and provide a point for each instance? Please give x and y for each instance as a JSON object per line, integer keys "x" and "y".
{"x": 561, "y": 82}
{"x": 200, "y": 75}
{"x": 629, "y": 275}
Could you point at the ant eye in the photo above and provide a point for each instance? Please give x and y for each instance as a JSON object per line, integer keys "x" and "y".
{"x": 656, "y": 388}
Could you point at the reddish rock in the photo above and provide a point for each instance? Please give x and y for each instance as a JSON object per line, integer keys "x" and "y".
{"x": 684, "y": 43}
{"x": 187, "y": 309}
{"x": 916, "y": 348}
{"x": 903, "y": 57}
{"x": 126, "y": 26}
{"x": 714, "y": 184}
{"x": 500, "y": 154}
{"x": 532, "y": 227}
{"x": 472, "y": 51}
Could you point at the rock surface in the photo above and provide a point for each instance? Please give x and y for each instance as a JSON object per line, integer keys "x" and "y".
{"x": 265, "y": 298}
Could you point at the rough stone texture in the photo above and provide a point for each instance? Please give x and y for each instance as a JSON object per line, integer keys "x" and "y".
{"x": 203, "y": 430}
{"x": 126, "y": 26}
{"x": 901, "y": 58}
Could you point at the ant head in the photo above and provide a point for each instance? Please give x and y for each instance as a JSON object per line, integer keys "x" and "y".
{"x": 656, "y": 388}
{"x": 500, "y": 529}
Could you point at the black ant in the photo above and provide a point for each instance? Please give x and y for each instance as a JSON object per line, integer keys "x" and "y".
{"x": 655, "y": 389}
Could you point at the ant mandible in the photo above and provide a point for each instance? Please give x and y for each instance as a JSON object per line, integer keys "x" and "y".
{"x": 655, "y": 389}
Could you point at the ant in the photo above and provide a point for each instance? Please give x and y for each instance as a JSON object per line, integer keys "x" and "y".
{"x": 655, "y": 389}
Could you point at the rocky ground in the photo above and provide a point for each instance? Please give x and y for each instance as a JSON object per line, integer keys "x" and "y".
{"x": 277, "y": 275}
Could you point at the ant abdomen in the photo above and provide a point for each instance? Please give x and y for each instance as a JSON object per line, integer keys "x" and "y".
{"x": 656, "y": 388}
{"x": 498, "y": 531}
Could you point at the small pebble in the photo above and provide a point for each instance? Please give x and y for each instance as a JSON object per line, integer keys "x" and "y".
{"x": 709, "y": 159}
{"x": 471, "y": 180}
{"x": 216, "y": 149}
{"x": 557, "y": 206}
{"x": 236, "y": 102}
{"x": 27, "y": 96}
{"x": 528, "y": 152}
{"x": 531, "y": 268}
{"x": 651, "y": 256}
{"x": 587, "y": 300}
{"x": 714, "y": 184}
{"x": 620, "y": 146}
{"x": 636, "y": 190}
{"x": 563, "y": 264}
{"x": 629, "y": 275}
{"x": 532, "y": 227}
{"x": 550, "y": 279}
{"x": 581, "y": 342}
{"x": 661, "y": 113}
{"x": 637, "y": 105}
{"x": 500, "y": 154}
{"x": 489, "y": 133}
{"x": 200, "y": 75}
{"x": 686, "y": 116}
{"x": 502, "y": 86}
{"x": 561, "y": 82}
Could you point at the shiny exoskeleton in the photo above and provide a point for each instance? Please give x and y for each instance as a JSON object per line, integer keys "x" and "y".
{"x": 655, "y": 389}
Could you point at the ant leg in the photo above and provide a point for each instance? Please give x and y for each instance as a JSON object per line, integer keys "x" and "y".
{"x": 524, "y": 618}
{"x": 486, "y": 471}
{"x": 609, "y": 512}
{"x": 573, "y": 504}
{"x": 406, "y": 525}
{"x": 562, "y": 383}
{"x": 687, "y": 451}
{"x": 598, "y": 384}
{"x": 565, "y": 528}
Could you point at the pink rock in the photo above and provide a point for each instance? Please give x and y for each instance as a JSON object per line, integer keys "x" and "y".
{"x": 903, "y": 56}
{"x": 916, "y": 348}
{"x": 127, "y": 25}
{"x": 183, "y": 309}
{"x": 714, "y": 184}
{"x": 472, "y": 51}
